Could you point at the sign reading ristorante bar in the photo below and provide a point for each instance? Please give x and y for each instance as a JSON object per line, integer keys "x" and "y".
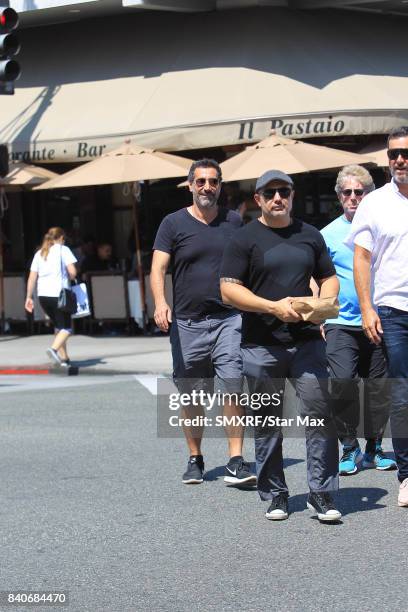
{"x": 85, "y": 151}
{"x": 186, "y": 137}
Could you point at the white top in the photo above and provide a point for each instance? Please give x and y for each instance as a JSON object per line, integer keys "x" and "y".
{"x": 380, "y": 225}
{"x": 50, "y": 281}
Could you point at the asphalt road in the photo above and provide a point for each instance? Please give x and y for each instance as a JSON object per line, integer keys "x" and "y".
{"x": 92, "y": 503}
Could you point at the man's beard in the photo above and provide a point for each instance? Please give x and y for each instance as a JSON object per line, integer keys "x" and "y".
{"x": 400, "y": 179}
{"x": 206, "y": 201}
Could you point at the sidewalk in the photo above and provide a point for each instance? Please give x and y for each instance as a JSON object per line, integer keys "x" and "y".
{"x": 91, "y": 354}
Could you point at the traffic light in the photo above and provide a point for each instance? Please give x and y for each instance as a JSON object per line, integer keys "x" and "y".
{"x": 9, "y": 46}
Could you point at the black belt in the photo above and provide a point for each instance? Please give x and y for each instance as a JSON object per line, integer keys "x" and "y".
{"x": 210, "y": 314}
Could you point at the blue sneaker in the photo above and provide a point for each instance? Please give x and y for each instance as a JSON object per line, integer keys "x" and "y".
{"x": 378, "y": 460}
{"x": 350, "y": 460}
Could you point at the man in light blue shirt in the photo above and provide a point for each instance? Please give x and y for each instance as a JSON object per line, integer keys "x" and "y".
{"x": 350, "y": 354}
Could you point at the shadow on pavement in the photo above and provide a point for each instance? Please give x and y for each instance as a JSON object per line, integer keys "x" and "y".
{"x": 360, "y": 499}
{"x": 349, "y": 500}
{"x": 289, "y": 462}
{"x": 87, "y": 363}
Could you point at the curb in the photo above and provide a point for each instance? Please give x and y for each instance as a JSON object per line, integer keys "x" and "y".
{"x": 23, "y": 371}
{"x": 72, "y": 371}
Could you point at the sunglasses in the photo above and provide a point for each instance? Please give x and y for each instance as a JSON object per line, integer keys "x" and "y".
{"x": 213, "y": 182}
{"x": 269, "y": 194}
{"x": 357, "y": 192}
{"x": 394, "y": 154}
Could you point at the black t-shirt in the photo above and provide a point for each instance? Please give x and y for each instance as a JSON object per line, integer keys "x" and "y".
{"x": 275, "y": 263}
{"x": 196, "y": 252}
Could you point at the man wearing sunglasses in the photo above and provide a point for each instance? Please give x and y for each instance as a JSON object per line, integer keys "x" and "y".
{"x": 266, "y": 264}
{"x": 350, "y": 355}
{"x": 379, "y": 234}
{"x": 205, "y": 334}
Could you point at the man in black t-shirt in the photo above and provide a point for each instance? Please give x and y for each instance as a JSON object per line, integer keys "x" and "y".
{"x": 266, "y": 265}
{"x": 205, "y": 333}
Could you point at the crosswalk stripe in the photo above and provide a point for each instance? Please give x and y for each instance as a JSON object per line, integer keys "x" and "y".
{"x": 149, "y": 381}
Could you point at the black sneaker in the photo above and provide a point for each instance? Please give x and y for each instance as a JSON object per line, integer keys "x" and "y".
{"x": 195, "y": 470}
{"x": 323, "y": 505}
{"x": 278, "y": 510}
{"x": 238, "y": 472}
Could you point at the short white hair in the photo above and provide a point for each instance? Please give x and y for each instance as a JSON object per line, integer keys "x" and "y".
{"x": 355, "y": 172}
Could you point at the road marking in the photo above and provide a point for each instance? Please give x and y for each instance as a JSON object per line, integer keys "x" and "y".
{"x": 149, "y": 381}
{"x": 15, "y": 383}
{"x": 20, "y": 382}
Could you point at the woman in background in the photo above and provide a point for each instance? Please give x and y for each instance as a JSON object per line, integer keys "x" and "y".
{"x": 52, "y": 268}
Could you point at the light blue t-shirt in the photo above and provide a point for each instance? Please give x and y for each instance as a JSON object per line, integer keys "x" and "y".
{"x": 334, "y": 234}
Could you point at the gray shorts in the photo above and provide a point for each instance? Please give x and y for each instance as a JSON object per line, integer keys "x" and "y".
{"x": 206, "y": 348}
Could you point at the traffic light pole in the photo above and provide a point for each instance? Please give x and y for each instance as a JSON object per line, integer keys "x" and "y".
{"x": 6, "y": 88}
{"x": 2, "y": 305}
{"x": 4, "y": 170}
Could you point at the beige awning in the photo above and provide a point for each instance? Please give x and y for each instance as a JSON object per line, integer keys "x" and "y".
{"x": 166, "y": 86}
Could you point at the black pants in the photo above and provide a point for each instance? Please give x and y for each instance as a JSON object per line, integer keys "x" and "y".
{"x": 60, "y": 320}
{"x": 266, "y": 368}
{"x": 351, "y": 356}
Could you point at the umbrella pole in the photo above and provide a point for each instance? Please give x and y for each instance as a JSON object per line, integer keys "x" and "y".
{"x": 139, "y": 266}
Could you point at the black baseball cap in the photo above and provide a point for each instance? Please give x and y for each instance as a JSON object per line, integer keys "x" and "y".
{"x": 272, "y": 175}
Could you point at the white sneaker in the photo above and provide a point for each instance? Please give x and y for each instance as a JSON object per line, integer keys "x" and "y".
{"x": 403, "y": 494}
{"x": 278, "y": 510}
{"x": 54, "y": 355}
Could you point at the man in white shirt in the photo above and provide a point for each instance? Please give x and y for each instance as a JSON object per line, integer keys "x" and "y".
{"x": 380, "y": 237}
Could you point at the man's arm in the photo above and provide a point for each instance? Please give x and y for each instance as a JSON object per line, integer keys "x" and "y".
{"x": 328, "y": 287}
{"x": 234, "y": 293}
{"x": 162, "y": 312}
{"x": 362, "y": 280}
{"x": 325, "y": 287}
{"x": 32, "y": 279}
{"x": 314, "y": 287}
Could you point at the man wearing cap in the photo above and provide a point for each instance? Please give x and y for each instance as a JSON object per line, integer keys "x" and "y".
{"x": 205, "y": 334}
{"x": 379, "y": 234}
{"x": 265, "y": 266}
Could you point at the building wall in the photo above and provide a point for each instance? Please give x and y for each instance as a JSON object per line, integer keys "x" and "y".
{"x": 87, "y": 59}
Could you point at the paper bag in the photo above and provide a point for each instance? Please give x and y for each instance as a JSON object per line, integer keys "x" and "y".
{"x": 316, "y": 310}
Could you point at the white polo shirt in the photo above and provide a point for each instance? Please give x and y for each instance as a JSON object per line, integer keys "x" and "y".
{"x": 380, "y": 225}
{"x": 52, "y": 272}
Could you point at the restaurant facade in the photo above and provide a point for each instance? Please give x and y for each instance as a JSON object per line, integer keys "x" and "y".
{"x": 205, "y": 83}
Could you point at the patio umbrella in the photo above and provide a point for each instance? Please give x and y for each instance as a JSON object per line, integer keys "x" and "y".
{"x": 21, "y": 176}
{"x": 290, "y": 156}
{"x": 378, "y": 154}
{"x": 127, "y": 164}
